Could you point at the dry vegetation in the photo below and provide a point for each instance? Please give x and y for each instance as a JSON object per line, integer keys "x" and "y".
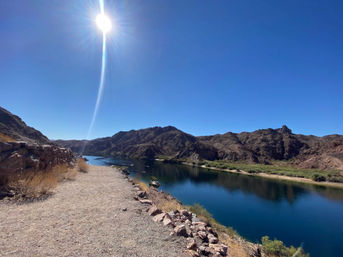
{"x": 31, "y": 185}
{"x": 142, "y": 185}
{"x": 163, "y": 201}
{"x": 82, "y": 165}
{"x": 5, "y": 138}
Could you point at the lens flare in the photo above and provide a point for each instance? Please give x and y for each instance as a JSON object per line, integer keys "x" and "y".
{"x": 103, "y": 22}
{"x": 105, "y": 25}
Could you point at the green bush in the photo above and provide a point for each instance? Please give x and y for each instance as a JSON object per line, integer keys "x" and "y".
{"x": 318, "y": 178}
{"x": 277, "y": 248}
{"x": 335, "y": 178}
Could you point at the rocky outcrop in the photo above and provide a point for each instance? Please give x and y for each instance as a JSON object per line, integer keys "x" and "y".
{"x": 28, "y": 150}
{"x": 13, "y": 126}
{"x": 16, "y": 157}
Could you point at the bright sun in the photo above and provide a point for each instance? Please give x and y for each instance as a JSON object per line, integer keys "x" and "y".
{"x": 103, "y": 22}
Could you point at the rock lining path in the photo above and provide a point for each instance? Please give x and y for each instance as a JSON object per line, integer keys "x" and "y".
{"x": 85, "y": 217}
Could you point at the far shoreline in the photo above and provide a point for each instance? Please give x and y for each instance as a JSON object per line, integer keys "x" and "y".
{"x": 308, "y": 181}
{"x": 272, "y": 176}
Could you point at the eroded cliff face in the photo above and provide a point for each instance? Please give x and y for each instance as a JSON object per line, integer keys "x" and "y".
{"x": 25, "y": 149}
{"x": 17, "y": 157}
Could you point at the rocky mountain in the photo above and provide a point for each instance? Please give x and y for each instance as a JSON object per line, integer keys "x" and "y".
{"x": 13, "y": 127}
{"x": 148, "y": 144}
{"x": 260, "y": 146}
{"x": 267, "y": 145}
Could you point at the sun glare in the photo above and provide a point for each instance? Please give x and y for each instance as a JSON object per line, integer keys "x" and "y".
{"x": 103, "y": 22}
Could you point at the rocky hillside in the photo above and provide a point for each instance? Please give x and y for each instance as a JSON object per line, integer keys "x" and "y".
{"x": 13, "y": 127}
{"x": 23, "y": 148}
{"x": 267, "y": 145}
{"x": 261, "y": 146}
{"x": 146, "y": 143}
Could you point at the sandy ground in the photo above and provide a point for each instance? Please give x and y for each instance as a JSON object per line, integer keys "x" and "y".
{"x": 85, "y": 218}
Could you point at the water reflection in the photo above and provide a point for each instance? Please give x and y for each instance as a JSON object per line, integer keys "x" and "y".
{"x": 268, "y": 189}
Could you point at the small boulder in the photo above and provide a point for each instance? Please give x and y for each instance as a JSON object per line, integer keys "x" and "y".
{"x": 212, "y": 239}
{"x": 153, "y": 210}
{"x": 194, "y": 218}
{"x": 188, "y": 230}
{"x": 141, "y": 194}
{"x": 154, "y": 183}
{"x": 185, "y": 213}
{"x": 204, "y": 250}
{"x": 180, "y": 230}
{"x": 193, "y": 253}
{"x": 219, "y": 248}
{"x": 202, "y": 235}
{"x": 145, "y": 201}
{"x": 167, "y": 221}
{"x": 188, "y": 222}
{"x": 171, "y": 214}
{"x": 159, "y": 217}
{"x": 191, "y": 245}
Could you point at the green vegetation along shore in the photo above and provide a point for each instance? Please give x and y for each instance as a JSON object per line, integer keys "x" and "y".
{"x": 333, "y": 178}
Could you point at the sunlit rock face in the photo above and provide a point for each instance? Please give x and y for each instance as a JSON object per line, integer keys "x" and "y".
{"x": 18, "y": 157}
{"x": 25, "y": 149}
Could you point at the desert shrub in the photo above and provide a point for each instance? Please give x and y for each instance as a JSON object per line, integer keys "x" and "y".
{"x": 335, "y": 178}
{"x": 169, "y": 205}
{"x": 36, "y": 184}
{"x": 142, "y": 185}
{"x": 318, "y": 178}
{"x": 277, "y": 248}
{"x": 82, "y": 165}
{"x": 33, "y": 184}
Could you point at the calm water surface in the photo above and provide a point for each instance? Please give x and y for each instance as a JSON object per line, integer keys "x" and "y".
{"x": 294, "y": 213}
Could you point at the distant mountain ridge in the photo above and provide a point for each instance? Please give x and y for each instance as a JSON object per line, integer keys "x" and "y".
{"x": 260, "y": 146}
{"x": 146, "y": 143}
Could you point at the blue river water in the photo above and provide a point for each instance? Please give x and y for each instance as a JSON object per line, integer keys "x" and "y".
{"x": 292, "y": 212}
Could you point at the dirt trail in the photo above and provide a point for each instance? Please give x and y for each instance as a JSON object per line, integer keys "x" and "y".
{"x": 85, "y": 218}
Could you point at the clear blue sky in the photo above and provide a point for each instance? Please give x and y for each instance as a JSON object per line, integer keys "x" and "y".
{"x": 204, "y": 66}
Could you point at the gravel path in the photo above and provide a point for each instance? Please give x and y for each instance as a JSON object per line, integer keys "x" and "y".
{"x": 85, "y": 218}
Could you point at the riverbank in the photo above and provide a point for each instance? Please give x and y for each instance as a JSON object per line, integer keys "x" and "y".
{"x": 94, "y": 215}
{"x": 205, "y": 236}
{"x": 266, "y": 175}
